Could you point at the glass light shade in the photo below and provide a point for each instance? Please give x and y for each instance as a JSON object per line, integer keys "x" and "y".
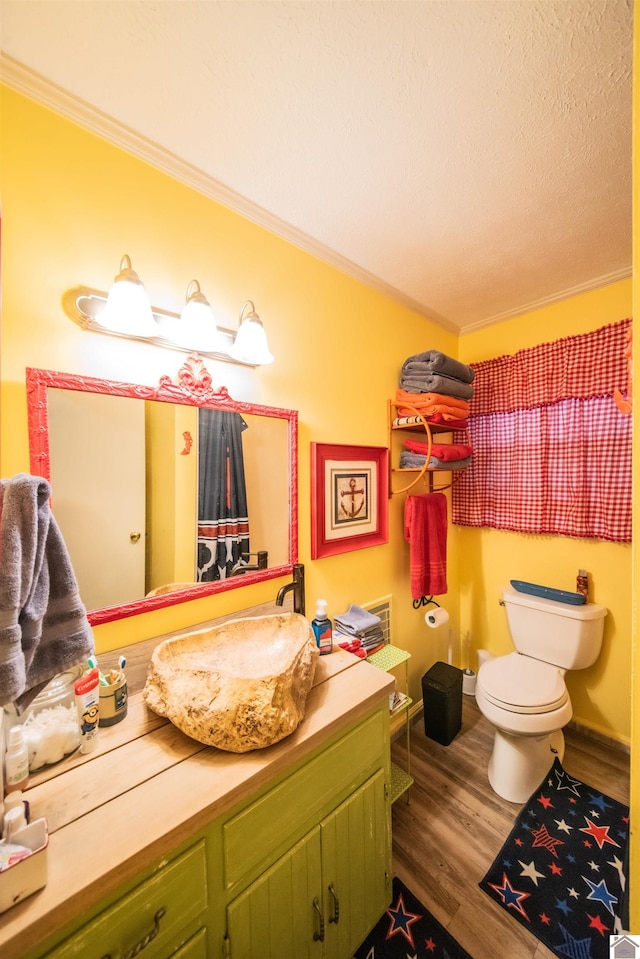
{"x": 128, "y": 310}
{"x": 250, "y": 344}
{"x": 196, "y": 329}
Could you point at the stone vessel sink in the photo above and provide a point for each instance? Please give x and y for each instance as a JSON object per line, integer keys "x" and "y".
{"x": 239, "y": 686}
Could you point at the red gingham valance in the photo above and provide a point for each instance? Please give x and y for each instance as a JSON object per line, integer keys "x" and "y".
{"x": 573, "y": 367}
{"x": 551, "y": 450}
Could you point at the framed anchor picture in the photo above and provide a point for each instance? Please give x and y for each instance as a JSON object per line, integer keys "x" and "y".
{"x": 349, "y": 498}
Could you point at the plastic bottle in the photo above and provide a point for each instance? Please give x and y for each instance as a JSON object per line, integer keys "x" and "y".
{"x": 582, "y": 582}
{"x": 322, "y": 628}
{"x": 16, "y": 761}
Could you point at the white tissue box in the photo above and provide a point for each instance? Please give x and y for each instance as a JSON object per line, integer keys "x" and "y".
{"x": 30, "y": 874}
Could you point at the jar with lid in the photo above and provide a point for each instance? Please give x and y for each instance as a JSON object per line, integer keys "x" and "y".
{"x": 51, "y": 727}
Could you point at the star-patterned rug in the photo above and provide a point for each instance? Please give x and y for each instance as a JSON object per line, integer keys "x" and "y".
{"x": 561, "y": 872}
{"x": 408, "y": 931}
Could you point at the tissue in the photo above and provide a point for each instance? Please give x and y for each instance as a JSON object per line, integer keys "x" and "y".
{"x": 436, "y": 617}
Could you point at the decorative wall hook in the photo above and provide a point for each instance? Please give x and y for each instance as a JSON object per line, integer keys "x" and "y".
{"x": 188, "y": 443}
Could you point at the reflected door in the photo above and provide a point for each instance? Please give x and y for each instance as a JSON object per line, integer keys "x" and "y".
{"x": 98, "y": 492}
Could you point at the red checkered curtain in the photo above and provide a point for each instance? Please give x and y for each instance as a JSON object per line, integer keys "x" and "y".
{"x": 551, "y": 450}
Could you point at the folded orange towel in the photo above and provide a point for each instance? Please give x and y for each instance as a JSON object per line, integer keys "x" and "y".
{"x": 420, "y": 400}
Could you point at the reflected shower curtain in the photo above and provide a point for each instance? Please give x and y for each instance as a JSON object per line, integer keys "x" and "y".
{"x": 223, "y": 523}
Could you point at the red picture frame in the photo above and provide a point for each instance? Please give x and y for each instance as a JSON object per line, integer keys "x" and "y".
{"x": 349, "y": 498}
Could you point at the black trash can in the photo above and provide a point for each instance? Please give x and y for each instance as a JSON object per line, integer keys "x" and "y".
{"x": 442, "y": 700}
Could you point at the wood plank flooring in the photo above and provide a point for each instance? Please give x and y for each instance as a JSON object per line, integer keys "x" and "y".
{"x": 453, "y": 826}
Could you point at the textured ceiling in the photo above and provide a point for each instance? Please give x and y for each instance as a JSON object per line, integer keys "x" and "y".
{"x": 471, "y": 157}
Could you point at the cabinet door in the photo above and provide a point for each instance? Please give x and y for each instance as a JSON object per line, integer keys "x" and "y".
{"x": 356, "y": 867}
{"x": 275, "y": 918}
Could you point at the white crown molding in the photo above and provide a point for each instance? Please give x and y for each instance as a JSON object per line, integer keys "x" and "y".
{"x": 595, "y": 284}
{"x": 31, "y": 84}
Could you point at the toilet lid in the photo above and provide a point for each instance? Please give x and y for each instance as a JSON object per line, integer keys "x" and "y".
{"x": 523, "y": 685}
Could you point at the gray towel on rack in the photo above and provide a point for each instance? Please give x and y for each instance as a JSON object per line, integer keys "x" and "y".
{"x": 417, "y": 460}
{"x": 449, "y": 464}
{"x": 43, "y": 623}
{"x": 433, "y": 361}
{"x": 435, "y": 383}
{"x": 412, "y": 460}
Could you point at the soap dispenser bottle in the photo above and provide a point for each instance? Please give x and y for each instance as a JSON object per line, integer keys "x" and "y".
{"x": 322, "y": 628}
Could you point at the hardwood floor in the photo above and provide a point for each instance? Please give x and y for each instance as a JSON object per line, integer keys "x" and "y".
{"x": 448, "y": 834}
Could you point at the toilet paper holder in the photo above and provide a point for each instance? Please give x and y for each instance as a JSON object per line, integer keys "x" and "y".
{"x": 424, "y": 601}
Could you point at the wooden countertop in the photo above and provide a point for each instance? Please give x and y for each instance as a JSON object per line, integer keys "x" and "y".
{"x": 148, "y": 787}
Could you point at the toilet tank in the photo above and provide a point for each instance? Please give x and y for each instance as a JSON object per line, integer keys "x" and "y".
{"x": 567, "y": 636}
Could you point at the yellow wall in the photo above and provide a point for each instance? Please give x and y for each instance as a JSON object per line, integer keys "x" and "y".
{"x": 72, "y": 205}
{"x": 600, "y": 695}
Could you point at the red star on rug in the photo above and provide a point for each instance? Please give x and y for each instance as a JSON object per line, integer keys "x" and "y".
{"x": 599, "y": 833}
{"x": 544, "y": 918}
{"x": 595, "y": 922}
{"x": 430, "y": 945}
{"x": 401, "y": 920}
{"x": 545, "y": 801}
{"x": 542, "y": 837}
{"x": 556, "y": 870}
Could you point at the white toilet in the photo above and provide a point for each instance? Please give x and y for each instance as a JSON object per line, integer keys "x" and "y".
{"x": 523, "y": 694}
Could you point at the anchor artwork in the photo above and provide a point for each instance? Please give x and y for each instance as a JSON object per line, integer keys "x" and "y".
{"x": 355, "y": 487}
{"x": 349, "y": 498}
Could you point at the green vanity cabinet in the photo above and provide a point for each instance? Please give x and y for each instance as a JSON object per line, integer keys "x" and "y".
{"x": 324, "y": 895}
{"x": 283, "y": 853}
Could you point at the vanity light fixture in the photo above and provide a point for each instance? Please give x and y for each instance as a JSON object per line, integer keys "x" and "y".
{"x": 197, "y": 330}
{"x": 250, "y": 344}
{"x": 193, "y": 331}
{"x": 128, "y": 310}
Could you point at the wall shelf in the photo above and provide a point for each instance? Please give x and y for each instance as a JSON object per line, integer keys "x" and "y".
{"x": 413, "y": 475}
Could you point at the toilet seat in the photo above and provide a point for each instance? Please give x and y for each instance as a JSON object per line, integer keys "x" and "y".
{"x": 520, "y": 684}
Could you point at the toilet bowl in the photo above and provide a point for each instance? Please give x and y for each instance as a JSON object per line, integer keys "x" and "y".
{"x": 528, "y": 703}
{"x": 523, "y": 694}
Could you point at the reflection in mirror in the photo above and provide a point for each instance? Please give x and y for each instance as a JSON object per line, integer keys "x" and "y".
{"x": 123, "y": 462}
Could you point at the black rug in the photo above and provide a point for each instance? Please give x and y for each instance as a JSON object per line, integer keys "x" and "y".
{"x": 562, "y": 871}
{"x": 408, "y": 929}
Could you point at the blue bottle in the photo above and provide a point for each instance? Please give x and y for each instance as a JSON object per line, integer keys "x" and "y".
{"x": 322, "y": 628}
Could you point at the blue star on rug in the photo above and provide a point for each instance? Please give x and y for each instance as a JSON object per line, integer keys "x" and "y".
{"x": 408, "y": 925}
{"x": 561, "y": 872}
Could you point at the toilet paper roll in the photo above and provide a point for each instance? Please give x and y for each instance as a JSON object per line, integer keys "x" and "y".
{"x": 436, "y": 617}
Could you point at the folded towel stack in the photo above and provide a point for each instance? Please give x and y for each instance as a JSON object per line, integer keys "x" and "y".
{"x": 449, "y": 456}
{"x": 358, "y": 631}
{"x": 435, "y": 407}
{"x": 435, "y": 372}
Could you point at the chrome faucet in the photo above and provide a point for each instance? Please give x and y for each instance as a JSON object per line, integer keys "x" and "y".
{"x": 298, "y": 589}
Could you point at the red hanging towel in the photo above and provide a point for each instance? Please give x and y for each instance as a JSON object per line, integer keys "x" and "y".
{"x": 425, "y": 529}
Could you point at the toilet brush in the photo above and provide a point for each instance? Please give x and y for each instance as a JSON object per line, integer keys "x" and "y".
{"x": 468, "y": 675}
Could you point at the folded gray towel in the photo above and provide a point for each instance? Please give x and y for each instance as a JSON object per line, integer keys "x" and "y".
{"x": 43, "y": 623}
{"x": 436, "y": 383}
{"x": 356, "y": 619}
{"x": 433, "y": 361}
{"x": 417, "y": 460}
